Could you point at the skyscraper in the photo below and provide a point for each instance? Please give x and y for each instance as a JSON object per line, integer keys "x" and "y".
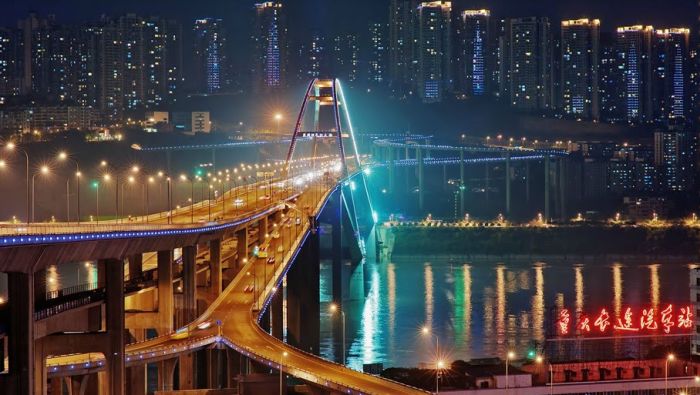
{"x": 634, "y": 57}
{"x": 346, "y": 57}
{"x": 610, "y": 81}
{"x": 580, "y": 48}
{"x": 270, "y": 46}
{"x": 402, "y": 46}
{"x": 434, "y": 50}
{"x": 377, "y": 61}
{"x": 210, "y": 60}
{"x": 675, "y": 155}
{"x": 10, "y": 46}
{"x": 473, "y": 52}
{"x": 671, "y": 70}
{"x": 163, "y": 73}
{"x": 530, "y": 58}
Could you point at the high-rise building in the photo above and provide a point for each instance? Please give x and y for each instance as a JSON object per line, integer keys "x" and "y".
{"x": 580, "y": 48}
{"x": 671, "y": 68}
{"x": 634, "y": 57}
{"x": 675, "y": 156}
{"x": 473, "y": 53}
{"x": 210, "y": 58}
{"x": 610, "y": 81}
{"x": 10, "y": 49}
{"x": 530, "y": 58}
{"x": 162, "y": 59}
{"x": 403, "y": 39}
{"x": 377, "y": 55}
{"x": 346, "y": 58}
{"x": 434, "y": 50}
{"x": 270, "y": 47}
{"x": 316, "y": 60}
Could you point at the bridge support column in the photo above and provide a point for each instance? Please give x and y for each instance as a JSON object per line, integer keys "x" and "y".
{"x": 21, "y": 336}
{"x": 277, "y": 314}
{"x": 461, "y": 183}
{"x": 189, "y": 285}
{"x": 136, "y": 379}
{"x": 303, "y": 306}
{"x": 527, "y": 181}
{"x": 562, "y": 189}
{"x": 487, "y": 183}
{"x": 165, "y": 292}
{"x": 337, "y": 270}
{"x": 242, "y": 246}
{"x": 135, "y": 266}
{"x": 166, "y": 374}
{"x": 215, "y": 273}
{"x": 421, "y": 192}
{"x": 507, "y": 175}
{"x": 392, "y": 169}
{"x": 546, "y": 188}
{"x": 216, "y": 364}
{"x": 262, "y": 230}
{"x": 114, "y": 276}
{"x": 186, "y": 371}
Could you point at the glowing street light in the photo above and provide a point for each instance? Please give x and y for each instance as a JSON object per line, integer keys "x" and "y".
{"x": 278, "y": 119}
{"x": 334, "y": 308}
{"x": 509, "y": 356}
{"x": 43, "y": 170}
{"x": 669, "y": 358}
{"x": 13, "y": 147}
{"x": 425, "y": 331}
{"x": 284, "y": 355}
{"x": 62, "y": 157}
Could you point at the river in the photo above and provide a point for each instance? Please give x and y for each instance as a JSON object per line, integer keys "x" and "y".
{"x": 483, "y": 308}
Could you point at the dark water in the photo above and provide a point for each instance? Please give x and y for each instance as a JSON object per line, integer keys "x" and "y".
{"x": 483, "y": 308}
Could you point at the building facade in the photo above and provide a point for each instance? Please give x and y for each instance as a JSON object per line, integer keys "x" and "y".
{"x": 210, "y": 58}
{"x": 579, "y": 65}
{"x": 473, "y": 52}
{"x": 270, "y": 47}
{"x": 434, "y": 50}
{"x": 530, "y": 63}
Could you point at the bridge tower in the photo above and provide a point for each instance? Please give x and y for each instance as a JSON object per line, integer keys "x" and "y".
{"x": 327, "y": 131}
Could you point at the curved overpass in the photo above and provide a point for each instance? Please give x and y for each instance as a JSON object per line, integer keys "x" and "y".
{"x": 232, "y": 319}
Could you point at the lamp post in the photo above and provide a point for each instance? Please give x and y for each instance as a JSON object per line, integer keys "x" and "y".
{"x": 284, "y": 355}
{"x": 669, "y": 358}
{"x": 510, "y": 355}
{"x": 96, "y": 185}
{"x": 334, "y": 307}
{"x": 43, "y": 170}
{"x": 278, "y": 118}
{"x": 12, "y": 146}
{"x": 191, "y": 180}
{"x": 63, "y": 156}
{"x": 427, "y": 332}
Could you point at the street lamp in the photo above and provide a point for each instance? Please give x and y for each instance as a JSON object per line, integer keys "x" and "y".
{"x": 510, "y": 355}
{"x": 184, "y": 178}
{"x": 284, "y": 355}
{"x": 12, "y": 147}
{"x": 278, "y": 119}
{"x": 669, "y": 358}
{"x": 539, "y": 360}
{"x": 425, "y": 331}
{"x": 42, "y": 170}
{"x": 334, "y": 308}
{"x": 62, "y": 157}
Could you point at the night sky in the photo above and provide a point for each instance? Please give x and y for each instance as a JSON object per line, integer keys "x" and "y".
{"x": 343, "y": 14}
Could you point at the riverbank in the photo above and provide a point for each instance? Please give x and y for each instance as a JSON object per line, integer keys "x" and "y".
{"x": 528, "y": 242}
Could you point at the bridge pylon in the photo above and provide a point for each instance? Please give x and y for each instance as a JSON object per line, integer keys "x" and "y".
{"x": 325, "y": 130}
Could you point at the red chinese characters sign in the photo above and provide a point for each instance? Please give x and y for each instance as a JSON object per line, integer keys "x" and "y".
{"x": 647, "y": 321}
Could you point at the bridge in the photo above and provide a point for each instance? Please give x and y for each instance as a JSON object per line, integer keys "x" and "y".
{"x": 228, "y": 301}
{"x": 197, "y": 286}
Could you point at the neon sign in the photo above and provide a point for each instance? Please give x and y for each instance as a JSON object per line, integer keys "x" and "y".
{"x": 647, "y": 321}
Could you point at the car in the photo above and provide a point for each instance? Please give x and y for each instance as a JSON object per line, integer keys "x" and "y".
{"x": 271, "y": 260}
{"x": 249, "y": 288}
{"x": 238, "y": 203}
{"x": 280, "y": 249}
{"x": 298, "y": 221}
{"x": 262, "y": 254}
{"x": 275, "y": 235}
{"x": 265, "y": 197}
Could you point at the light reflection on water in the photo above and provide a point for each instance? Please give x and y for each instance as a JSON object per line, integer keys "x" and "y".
{"x": 483, "y": 308}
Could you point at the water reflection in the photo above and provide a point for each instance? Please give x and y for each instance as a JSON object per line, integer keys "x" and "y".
{"x": 654, "y": 286}
{"x": 617, "y": 288}
{"x": 481, "y": 308}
